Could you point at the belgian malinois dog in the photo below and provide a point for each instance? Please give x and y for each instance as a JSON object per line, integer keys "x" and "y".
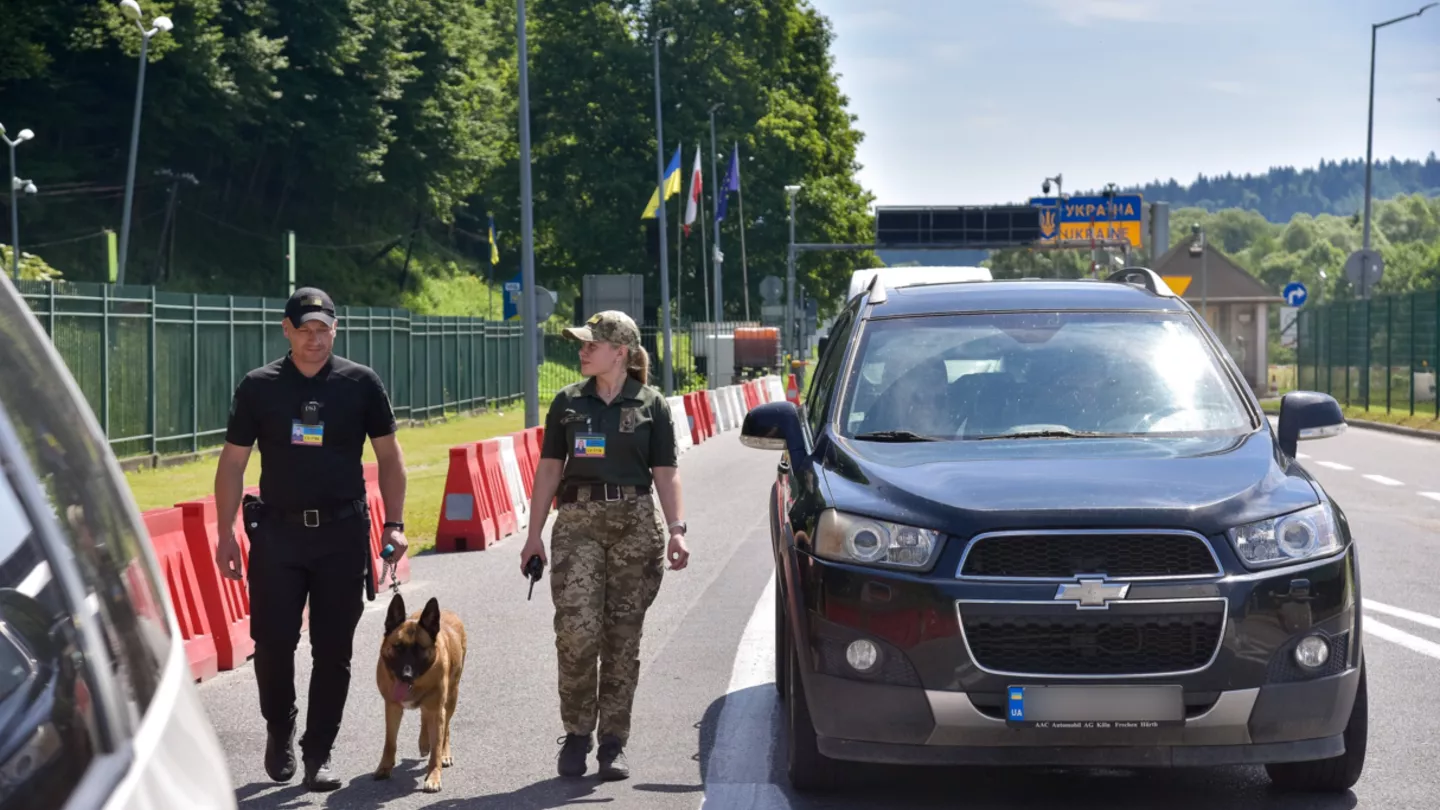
{"x": 421, "y": 661}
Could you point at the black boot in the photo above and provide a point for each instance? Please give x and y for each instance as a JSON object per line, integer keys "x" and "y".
{"x": 280, "y": 755}
{"x": 613, "y": 766}
{"x": 318, "y": 777}
{"x": 572, "y": 756}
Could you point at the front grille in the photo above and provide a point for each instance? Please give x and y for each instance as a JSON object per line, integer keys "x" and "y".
{"x": 1064, "y": 556}
{"x": 1147, "y": 641}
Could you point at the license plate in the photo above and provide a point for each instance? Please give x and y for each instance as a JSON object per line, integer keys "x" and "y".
{"x": 1095, "y": 708}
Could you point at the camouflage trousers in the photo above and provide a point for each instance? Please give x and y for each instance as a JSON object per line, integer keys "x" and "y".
{"x": 607, "y": 559}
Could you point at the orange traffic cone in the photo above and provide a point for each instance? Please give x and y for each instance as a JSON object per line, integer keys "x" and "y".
{"x": 792, "y": 391}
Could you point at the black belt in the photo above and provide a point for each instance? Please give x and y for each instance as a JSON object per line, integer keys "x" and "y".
{"x": 312, "y": 518}
{"x": 602, "y": 492}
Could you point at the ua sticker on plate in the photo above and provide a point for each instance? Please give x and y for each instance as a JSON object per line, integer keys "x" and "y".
{"x": 307, "y": 435}
{"x": 589, "y": 445}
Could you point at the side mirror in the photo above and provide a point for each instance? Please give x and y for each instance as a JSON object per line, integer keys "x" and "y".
{"x": 1306, "y": 415}
{"x": 773, "y": 426}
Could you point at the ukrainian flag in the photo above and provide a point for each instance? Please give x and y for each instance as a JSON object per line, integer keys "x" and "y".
{"x": 494, "y": 248}
{"x": 672, "y": 186}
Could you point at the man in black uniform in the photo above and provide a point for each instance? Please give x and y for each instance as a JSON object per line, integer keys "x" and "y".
{"x": 310, "y": 412}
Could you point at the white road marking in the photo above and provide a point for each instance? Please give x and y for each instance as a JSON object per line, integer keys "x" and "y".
{"x": 1434, "y": 496}
{"x": 1380, "y": 479}
{"x": 1302, "y": 456}
{"x": 1403, "y": 613}
{"x": 738, "y": 773}
{"x": 1334, "y": 465}
{"x": 1404, "y": 639}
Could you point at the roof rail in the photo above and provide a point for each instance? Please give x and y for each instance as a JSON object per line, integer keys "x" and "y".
{"x": 877, "y": 291}
{"x": 1143, "y": 277}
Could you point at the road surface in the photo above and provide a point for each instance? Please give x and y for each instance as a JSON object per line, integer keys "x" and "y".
{"x": 707, "y": 728}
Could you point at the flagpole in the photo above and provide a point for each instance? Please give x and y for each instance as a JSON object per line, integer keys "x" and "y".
{"x": 679, "y": 258}
{"x": 666, "y": 374}
{"x": 744, "y": 262}
{"x": 704, "y": 253}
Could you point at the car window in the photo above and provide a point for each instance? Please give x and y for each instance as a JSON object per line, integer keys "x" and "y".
{"x": 48, "y": 730}
{"x": 828, "y": 370}
{"x": 62, "y": 447}
{"x": 986, "y": 375}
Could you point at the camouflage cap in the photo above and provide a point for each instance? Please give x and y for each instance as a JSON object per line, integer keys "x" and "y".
{"x": 610, "y": 326}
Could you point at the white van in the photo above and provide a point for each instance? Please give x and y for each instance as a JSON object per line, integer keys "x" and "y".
{"x": 905, "y": 276}
{"x": 98, "y": 708}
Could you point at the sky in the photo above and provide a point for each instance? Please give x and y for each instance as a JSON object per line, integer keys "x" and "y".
{"x": 976, "y": 102}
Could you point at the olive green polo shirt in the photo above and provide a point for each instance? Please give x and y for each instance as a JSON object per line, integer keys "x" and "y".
{"x": 618, "y": 443}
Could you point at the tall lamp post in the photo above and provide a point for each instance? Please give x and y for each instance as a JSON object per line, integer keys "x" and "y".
{"x": 1059, "y": 180}
{"x": 527, "y": 234}
{"x": 666, "y": 374}
{"x": 16, "y": 185}
{"x": 131, "y": 10}
{"x": 1369, "y": 144}
{"x": 790, "y": 338}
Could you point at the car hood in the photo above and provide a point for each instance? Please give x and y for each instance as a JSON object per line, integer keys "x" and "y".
{"x": 1202, "y": 484}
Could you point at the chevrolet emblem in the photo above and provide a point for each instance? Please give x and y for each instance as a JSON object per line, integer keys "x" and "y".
{"x": 1092, "y": 593}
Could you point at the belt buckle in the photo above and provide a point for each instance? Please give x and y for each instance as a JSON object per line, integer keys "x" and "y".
{"x": 618, "y": 493}
{"x": 308, "y": 514}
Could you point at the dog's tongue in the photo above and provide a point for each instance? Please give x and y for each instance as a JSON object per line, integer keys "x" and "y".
{"x": 400, "y": 691}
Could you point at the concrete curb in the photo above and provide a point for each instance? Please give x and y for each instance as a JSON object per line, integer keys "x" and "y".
{"x": 1416, "y": 433}
{"x": 1383, "y": 427}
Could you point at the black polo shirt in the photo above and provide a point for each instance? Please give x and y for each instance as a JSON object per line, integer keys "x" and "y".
{"x": 310, "y": 467}
{"x": 618, "y": 443}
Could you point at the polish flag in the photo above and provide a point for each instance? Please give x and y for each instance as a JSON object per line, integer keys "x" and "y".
{"x": 696, "y": 188}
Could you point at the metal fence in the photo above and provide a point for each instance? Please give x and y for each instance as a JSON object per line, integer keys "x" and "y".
{"x": 1371, "y": 354}
{"x": 159, "y": 368}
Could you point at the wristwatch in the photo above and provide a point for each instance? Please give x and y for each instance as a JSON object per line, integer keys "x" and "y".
{"x": 395, "y": 524}
{"x": 679, "y": 524}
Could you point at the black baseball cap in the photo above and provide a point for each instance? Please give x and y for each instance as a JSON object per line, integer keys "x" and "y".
{"x": 310, "y": 304}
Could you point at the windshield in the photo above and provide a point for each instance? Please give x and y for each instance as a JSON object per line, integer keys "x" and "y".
{"x": 1045, "y": 374}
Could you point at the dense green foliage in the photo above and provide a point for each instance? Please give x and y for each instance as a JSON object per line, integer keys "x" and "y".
{"x": 383, "y": 133}
{"x": 1334, "y": 187}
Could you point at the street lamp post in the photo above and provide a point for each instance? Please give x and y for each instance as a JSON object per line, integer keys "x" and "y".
{"x": 16, "y": 185}
{"x": 131, "y": 9}
{"x": 1059, "y": 214}
{"x": 527, "y": 234}
{"x": 790, "y": 338}
{"x": 1204, "y": 272}
{"x": 1369, "y": 145}
{"x": 666, "y": 374}
{"x": 718, "y": 258}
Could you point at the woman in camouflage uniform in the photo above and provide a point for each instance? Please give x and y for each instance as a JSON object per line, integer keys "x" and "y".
{"x": 608, "y": 440}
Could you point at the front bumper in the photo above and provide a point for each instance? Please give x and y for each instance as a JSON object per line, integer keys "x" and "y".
{"x": 901, "y": 725}
{"x": 933, "y": 703}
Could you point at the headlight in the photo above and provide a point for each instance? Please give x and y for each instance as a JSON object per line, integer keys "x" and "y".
{"x": 856, "y": 539}
{"x": 1299, "y": 536}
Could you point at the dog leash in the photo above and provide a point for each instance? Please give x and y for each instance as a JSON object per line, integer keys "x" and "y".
{"x": 390, "y": 563}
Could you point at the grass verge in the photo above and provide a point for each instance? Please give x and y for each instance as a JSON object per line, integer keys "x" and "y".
{"x": 427, "y": 460}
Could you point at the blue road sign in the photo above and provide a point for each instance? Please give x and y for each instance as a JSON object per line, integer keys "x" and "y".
{"x": 1295, "y": 294}
{"x": 1083, "y": 217}
{"x": 512, "y": 298}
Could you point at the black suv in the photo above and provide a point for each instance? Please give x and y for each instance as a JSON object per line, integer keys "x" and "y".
{"x": 1046, "y": 523}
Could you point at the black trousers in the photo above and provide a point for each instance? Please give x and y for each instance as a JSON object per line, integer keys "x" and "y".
{"x": 327, "y": 565}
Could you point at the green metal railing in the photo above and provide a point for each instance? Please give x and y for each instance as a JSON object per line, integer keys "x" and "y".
{"x": 159, "y": 368}
{"x": 1377, "y": 353}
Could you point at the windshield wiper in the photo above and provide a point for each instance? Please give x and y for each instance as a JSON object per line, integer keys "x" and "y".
{"x": 1048, "y": 433}
{"x": 894, "y": 436}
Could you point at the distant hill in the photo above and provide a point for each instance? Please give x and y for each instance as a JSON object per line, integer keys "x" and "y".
{"x": 1334, "y": 187}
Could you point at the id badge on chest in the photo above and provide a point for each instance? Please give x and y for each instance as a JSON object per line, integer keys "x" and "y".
{"x": 308, "y": 431}
{"x": 589, "y": 445}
